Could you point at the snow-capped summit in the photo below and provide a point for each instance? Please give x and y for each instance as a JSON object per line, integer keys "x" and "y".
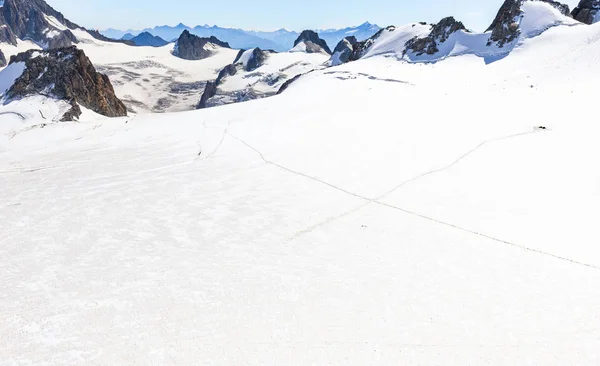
{"x": 308, "y": 41}
{"x": 192, "y": 47}
{"x": 587, "y": 11}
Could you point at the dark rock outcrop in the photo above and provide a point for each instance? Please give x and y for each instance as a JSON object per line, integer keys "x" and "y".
{"x": 147, "y": 39}
{"x": 2, "y": 59}
{"x": 66, "y": 74}
{"x": 211, "y": 87}
{"x": 311, "y": 39}
{"x": 505, "y": 27}
{"x": 191, "y": 47}
{"x": 344, "y": 50}
{"x": 65, "y": 38}
{"x": 439, "y": 34}
{"x": 586, "y": 11}
{"x": 288, "y": 83}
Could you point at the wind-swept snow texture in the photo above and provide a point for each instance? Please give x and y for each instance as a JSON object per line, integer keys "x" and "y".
{"x": 379, "y": 212}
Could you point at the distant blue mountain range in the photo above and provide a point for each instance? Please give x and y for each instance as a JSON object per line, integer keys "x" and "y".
{"x": 280, "y": 40}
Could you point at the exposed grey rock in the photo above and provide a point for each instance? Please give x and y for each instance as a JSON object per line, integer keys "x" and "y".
{"x": 191, "y": 47}
{"x": 288, "y": 83}
{"x": 256, "y": 60}
{"x": 505, "y": 27}
{"x": 209, "y": 91}
{"x": 586, "y": 11}
{"x": 66, "y": 74}
{"x": 314, "y": 44}
{"x": 2, "y": 59}
{"x": 439, "y": 34}
{"x": 65, "y": 38}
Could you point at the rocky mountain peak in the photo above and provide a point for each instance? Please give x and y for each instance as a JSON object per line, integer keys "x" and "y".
{"x": 439, "y": 34}
{"x": 65, "y": 74}
{"x": 505, "y": 27}
{"x": 343, "y": 51}
{"x": 313, "y": 43}
{"x": 192, "y": 47}
{"x": 587, "y": 11}
{"x": 32, "y": 19}
{"x": 251, "y": 60}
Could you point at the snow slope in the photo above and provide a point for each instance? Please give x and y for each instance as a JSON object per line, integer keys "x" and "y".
{"x": 379, "y": 212}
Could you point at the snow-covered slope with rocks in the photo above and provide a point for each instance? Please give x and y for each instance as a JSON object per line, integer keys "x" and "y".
{"x": 247, "y": 79}
{"x": 384, "y": 211}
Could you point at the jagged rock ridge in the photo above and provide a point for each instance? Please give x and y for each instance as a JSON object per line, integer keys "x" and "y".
{"x": 66, "y": 74}
{"x": 191, "y": 47}
{"x": 439, "y": 34}
{"x": 28, "y": 19}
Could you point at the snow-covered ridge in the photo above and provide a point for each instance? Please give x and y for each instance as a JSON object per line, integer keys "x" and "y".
{"x": 535, "y": 18}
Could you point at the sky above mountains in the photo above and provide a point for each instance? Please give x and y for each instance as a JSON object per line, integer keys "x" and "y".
{"x": 275, "y": 14}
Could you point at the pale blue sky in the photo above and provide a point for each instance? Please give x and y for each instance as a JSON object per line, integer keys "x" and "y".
{"x": 275, "y": 14}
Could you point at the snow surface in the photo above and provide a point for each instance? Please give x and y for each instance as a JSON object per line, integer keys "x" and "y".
{"x": 378, "y": 212}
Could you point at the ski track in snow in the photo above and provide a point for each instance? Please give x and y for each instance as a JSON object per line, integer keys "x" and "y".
{"x": 432, "y": 219}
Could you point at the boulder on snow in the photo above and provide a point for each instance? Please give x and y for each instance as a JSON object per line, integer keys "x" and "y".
{"x": 343, "y": 51}
{"x": 586, "y": 12}
{"x": 65, "y": 74}
{"x": 311, "y": 42}
{"x": 192, "y": 47}
{"x": 2, "y": 59}
{"x": 505, "y": 27}
{"x": 439, "y": 34}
